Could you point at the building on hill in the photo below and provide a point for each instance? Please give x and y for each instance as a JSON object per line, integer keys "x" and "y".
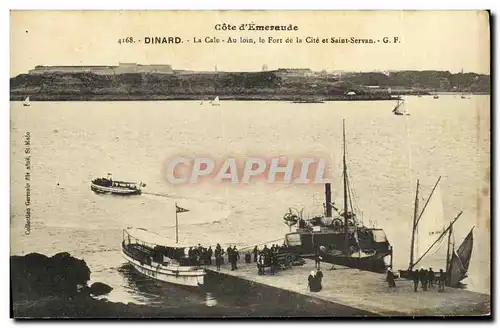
{"x": 294, "y": 71}
{"x": 122, "y": 68}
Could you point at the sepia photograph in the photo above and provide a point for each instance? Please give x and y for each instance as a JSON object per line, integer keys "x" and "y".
{"x": 250, "y": 164}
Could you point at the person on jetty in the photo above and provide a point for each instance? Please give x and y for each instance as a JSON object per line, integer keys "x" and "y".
{"x": 210, "y": 252}
{"x": 218, "y": 256}
{"x": 218, "y": 259}
{"x": 233, "y": 258}
{"x": 317, "y": 260}
{"x": 423, "y": 278}
{"x": 311, "y": 279}
{"x": 265, "y": 251}
{"x": 314, "y": 280}
{"x": 416, "y": 277}
{"x": 441, "y": 281}
{"x": 390, "y": 278}
{"x": 319, "y": 277}
{"x": 431, "y": 277}
{"x": 255, "y": 253}
{"x": 248, "y": 257}
{"x": 260, "y": 263}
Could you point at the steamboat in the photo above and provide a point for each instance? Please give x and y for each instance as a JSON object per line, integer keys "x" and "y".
{"x": 339, "y": 238}
{"x": 110, "y": 186}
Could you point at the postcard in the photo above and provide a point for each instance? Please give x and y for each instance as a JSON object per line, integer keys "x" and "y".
{"x": 249, "y": 164}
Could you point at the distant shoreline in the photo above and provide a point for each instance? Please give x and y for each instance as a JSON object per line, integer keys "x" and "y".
{"x": 97, "y": 98}
{"x": 195, "y": 98}
{"x": 283, "y": 85}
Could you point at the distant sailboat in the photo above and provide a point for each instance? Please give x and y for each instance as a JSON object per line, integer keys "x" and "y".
{"x": 26, "y": 101}
{"x": 215, "y": 102}
{"x": 399, "y": 110}
{"x": 436, "y": 97}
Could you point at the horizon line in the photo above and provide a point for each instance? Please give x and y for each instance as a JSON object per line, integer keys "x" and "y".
{"x": 324, "y": 70}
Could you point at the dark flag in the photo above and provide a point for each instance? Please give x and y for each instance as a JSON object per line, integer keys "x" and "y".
{"x": 179, "y": 209}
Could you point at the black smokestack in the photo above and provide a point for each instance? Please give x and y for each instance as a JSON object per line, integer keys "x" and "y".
{"x": 328, "y": 200}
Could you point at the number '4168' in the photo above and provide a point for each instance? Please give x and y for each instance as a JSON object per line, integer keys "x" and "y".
{"x": 128, "y": 39}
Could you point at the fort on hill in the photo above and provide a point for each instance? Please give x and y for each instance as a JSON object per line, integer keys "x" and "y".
{"x": 122, "y": 68}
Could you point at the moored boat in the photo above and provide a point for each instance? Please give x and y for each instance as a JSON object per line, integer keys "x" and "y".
{"x": 110, "y": 186}
{"x": 161, "y": 259}
{"x": 428, "y": 238}
{"x": 339, "y": 238}
{"x": 398, "y": 109}
{"x": 215, "y": 102}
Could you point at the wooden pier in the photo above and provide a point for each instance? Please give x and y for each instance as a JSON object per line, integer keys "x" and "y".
{"x": 367, "y": 291}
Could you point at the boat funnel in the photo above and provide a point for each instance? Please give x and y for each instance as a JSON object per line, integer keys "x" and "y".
{"x": 328, "y": 200}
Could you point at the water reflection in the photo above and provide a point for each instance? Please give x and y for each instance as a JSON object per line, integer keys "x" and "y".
{"x": 158, "y": 293}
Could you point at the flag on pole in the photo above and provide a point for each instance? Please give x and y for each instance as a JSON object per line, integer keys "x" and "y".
{"x": 179, "y": 209}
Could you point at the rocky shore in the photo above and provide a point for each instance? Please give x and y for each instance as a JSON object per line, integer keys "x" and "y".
{"x": 56, "y": 288}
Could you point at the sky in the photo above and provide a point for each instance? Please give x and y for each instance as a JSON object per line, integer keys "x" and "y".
{"x": 429, "y": 40}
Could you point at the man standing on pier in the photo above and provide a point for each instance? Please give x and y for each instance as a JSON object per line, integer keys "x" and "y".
{"x": 317, "y": 260}
{"x": 236, "y": 256}
{"x": 423, "y": 278}
{"x": 229, "y": 251}
{"x": 431, "y": 277}
{"x": 218, "y": 257}
{"x": 416, "y": 277}
{"x": 442, "y": 280}
{"x": 390, "y": 279}
{"x": 255, "y": 253}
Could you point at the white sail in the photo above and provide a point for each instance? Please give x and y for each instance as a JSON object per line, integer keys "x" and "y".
{"x": 215, "y": 102}
{"x": 430, "y": 226}
{"x": 26, "y": 101}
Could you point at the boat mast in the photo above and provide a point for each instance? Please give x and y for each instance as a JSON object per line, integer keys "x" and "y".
{"x": 447, "y": 267}
{"x": 428, "y": 199}
{"x": 345, "y": 192}
{"x": 176, "y": 225}
{"x": 414, "y": 227}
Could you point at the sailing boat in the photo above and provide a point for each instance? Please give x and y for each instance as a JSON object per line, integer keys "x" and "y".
{"x": 398, "y": 109}
{"x": 215, "y": 102}
{"x": 458, "y": 265}
{"x": 427, "y": 240}
{"x": 26, "y": 101}
{"x": 339, "y": 237}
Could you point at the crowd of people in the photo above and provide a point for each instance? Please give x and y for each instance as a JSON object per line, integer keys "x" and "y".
{"x": 426, "y": 278}
{"x": 267, "y": 257}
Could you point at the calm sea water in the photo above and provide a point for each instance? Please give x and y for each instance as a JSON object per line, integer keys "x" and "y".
{"x": 74, "y": 142}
